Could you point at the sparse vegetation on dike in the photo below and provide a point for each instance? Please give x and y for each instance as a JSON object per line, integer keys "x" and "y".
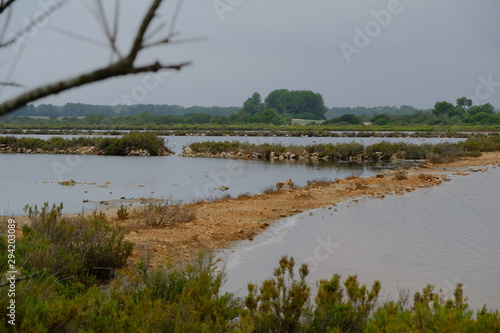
{"x": 134, "y": 143}
{"x": 349, "y": 151}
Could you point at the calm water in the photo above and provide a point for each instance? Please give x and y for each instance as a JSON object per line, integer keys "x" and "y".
{"x": 33, "y": 179}
{"x": 442, "y": 235}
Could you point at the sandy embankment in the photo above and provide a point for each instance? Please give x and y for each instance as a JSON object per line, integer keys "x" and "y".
{"x": 220, "y": 223}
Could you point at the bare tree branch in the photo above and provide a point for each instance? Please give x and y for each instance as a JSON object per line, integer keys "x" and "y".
{"x": 139, "y": 37}
{"x": 33, "y": 23}
{"x": 123, "y": 66}
{"x": 5, "y": 25}
{"x": 80, "y": 37}
{"x": 110, "y": 35}
{"x": 175, "y": 16}
{"x": 5, "y": 5}
{"x": 21, "y": 278}
{"x": 119, "y": 68}
{"x": 10, "y": 84}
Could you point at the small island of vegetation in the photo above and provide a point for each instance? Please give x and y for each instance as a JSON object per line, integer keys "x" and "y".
{"x": 132, "y": 144}
{"x": 383, "y": 151}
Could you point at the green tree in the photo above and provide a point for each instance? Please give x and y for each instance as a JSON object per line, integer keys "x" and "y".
{"x": 464, "y": 103}
{"x": 253, "y": 104}
{"x": 276, "y": 100}
{"x": 486, "y": 108}
{"x": 441, "y": 108}
{"x": 298, "y": 103}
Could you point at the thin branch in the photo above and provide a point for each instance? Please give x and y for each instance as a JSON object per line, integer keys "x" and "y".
{"x": 139, "y": 37}
{"x": 5, "y": 5}
{"x": 101, "y": 18}
{"x": 119, "y": 68}
{"x": 116, "y": 21}
{"x": 11, "y": 84}
{"x": 5, "y": 25}
{"x": 175, "y": 42}
{"x": 33, "y": 23}
{"x": 78, "y": 36}
{"x": 13, "y": 67}
{"x": 175, "y": 16}
{"x": 21, "y": 278}
{"x": 154, "y": 31}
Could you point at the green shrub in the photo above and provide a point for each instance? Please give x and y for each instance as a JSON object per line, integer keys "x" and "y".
{"x": 343, "y": 310}
{"x": 122, "y": 213}
{"x": 281, "y": 304}
{"x": 431, "y": 312}
{"x": 158, "y": 213}
{"x": 72, "y": 249}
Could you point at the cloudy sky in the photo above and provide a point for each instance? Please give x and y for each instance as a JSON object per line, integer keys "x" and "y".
{"x": 355, "y": 53}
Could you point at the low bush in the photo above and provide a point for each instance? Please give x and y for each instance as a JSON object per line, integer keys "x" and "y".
{"x": 319, "y": 182}
{"x": 122, "y": 213}
{"x": 400, "y": 174}
{"x": 158, "y": 213}
{"x": 360, "y": 184}
{"x": 431, "y": 312}
{"x": 425, "y": 176}
{"x": 76, "y": 249}
{"x": 270, "y": 189}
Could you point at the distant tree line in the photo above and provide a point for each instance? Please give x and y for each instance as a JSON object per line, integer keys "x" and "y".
{"x": 80, "y": 110}
{"x": 336, "y": 112}
{"x": 443, "y": 113}
{"x": 279, "y": 108}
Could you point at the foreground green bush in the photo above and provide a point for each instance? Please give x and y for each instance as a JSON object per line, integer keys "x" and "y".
{"x": 61, "y": 290}
{"x": 71, "y": 249}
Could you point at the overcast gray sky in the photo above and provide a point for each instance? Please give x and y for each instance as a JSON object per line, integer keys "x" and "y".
{"x": 355, "y": 53}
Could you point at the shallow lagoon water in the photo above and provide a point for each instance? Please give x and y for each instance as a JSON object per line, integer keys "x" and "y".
{"x": 33, "y": 179}
{"x": 441, "y": 235}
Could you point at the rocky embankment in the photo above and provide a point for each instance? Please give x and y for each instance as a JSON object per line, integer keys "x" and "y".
{"x": 302, "y": 156}
{"x": 85, "y": 150}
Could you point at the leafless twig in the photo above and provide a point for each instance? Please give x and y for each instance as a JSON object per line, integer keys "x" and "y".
{"x": 123, "y": 66}
{"x": 4, "y": 284}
